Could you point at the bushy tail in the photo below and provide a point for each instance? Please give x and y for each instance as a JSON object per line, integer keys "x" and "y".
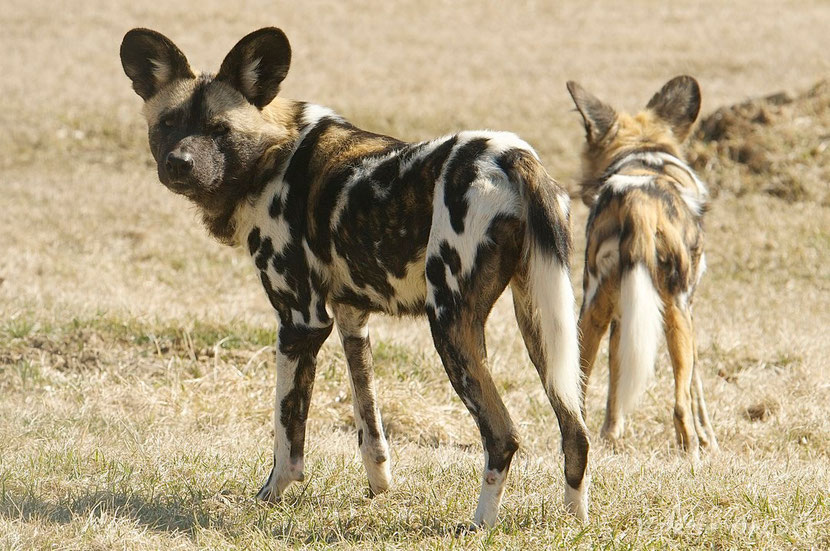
{"x": 546, "y": 257}
{"x": 641, "y": 324}
{"x": 641, "y": 317}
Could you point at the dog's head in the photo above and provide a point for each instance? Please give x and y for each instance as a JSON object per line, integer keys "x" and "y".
{"x": 662, "y": 126}
{"x": 208, "y": 133}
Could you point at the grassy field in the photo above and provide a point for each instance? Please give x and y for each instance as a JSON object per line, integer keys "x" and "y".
{"x": 136, "y": 355}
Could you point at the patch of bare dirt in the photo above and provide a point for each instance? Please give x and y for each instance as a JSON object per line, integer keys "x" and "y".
{"x": 762, "y": 411}
{"x": 778, "y": 144}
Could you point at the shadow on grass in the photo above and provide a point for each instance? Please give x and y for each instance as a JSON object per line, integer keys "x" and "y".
{"x": 160, "y": 515}
{"x": 290, "y": 523}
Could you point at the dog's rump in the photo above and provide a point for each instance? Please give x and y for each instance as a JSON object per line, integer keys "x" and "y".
{"x": 651, "y": 225}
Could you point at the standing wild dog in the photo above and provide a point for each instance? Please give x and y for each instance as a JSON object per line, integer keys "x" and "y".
{"x": 339, "y": 218}
{"x": 644, "y": 254}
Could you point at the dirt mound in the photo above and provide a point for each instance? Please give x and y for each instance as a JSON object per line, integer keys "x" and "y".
{"x": 778, "y": 144}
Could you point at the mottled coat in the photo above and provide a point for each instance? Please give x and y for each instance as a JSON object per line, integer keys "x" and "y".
{"x": 341, "y": 222}
{"x": 644, "y": 254}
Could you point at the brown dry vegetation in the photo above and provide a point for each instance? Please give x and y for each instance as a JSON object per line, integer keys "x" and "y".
{"x": 136, "y": 359}
{"x": 778, "y": 144}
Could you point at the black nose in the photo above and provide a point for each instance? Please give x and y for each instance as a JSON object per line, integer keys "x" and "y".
{"x": 178, "y": 164}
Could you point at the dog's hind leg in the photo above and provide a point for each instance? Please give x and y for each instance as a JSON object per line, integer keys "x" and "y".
{"x": 595, "y": 315}
{"x": 458, "y": 303}
{"x": 297, "y": 349}
{"x": 703, "y": 426}
{"x": 546, "y": 321}
{"x": 352, "y": 323}
{"x": 597, "y": 309}
{"x": 460, "y": 343}
{"x": 680, "y": 342}
{"x": 614, "y": 424}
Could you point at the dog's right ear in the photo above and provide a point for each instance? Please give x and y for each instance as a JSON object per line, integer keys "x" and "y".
{"x": 151, "y": 61}
{"x": 598, "y": 117}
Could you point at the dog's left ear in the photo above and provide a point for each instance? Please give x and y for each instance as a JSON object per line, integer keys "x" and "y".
{"x": 678, "y": 103}
{"x": 257, "y": 65}
{"x": 598, "y": 117}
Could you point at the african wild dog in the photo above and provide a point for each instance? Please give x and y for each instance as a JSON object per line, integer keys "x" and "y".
{"x": 339, "y": 218}
{"x": 644, "y": 255}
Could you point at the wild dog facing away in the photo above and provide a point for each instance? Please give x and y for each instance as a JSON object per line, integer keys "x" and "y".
{"x": 345, "y": 221}
{"x": 644, "y": 254}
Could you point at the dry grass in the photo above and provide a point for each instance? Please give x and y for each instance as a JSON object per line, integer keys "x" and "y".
{"x": 136, "y": 366}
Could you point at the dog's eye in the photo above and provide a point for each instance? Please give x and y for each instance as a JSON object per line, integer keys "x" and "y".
{"x": 219, "y": 130}
{"x": 169, "y": 121}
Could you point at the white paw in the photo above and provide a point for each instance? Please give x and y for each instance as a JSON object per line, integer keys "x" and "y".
{"x": 379, "y": 475}
{"x": 492, "y": 487}
{"x": 276, "y": 484}
{"x": 576, "y": 500}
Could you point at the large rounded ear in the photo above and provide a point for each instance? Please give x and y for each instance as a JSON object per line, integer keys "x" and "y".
{"x": 257, "y": 65}
{"x": 598, "y": 117}
{"x": 151, "y": 61}
{"x": 677, "y": 103}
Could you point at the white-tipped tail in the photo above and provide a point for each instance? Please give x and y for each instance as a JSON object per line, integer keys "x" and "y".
{"x": 641, "y": 325}
{"x": 553, "y": 300}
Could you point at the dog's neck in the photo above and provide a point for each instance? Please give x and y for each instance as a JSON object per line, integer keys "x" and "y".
{"x": 319, "y": 136}
{"x": 656, "y": 160}
{"x": 653, "y": 161}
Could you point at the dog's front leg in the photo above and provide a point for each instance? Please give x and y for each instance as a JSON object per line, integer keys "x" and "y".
{"x": 354, "y": 334}
{"x": 297, "y": 349}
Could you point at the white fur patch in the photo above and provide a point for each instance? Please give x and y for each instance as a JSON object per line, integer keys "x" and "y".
{"x": 250, "y": 76}
{"x": 694, "y": 199}
{"x": 452, "y": 281}
{"x": 621, "y": 182}
{"x": 297, "y": 318}
{"x": 564, "y": 203}
{"x": 379, "y": 474}
{"x": 686, "y": 294}
{"x": 576, "y": 499}
{"x": 593, "y": 285}
{"x": 499, "y": 142}
{"x": 553, "y": 299}
{"x": 312, "y": 113}
{"x": 162, "y": 72}
{"x": 409, "y": 290}
{"x": 641, "y": 324}
{"x": 492, "y": 488}
{"x": 701, "y": 267}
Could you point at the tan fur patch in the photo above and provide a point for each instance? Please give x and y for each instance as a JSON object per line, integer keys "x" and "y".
{"x": 337, "y": 147}
{"x": 172, "y": 96}
{"x": 628, "y": 134}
